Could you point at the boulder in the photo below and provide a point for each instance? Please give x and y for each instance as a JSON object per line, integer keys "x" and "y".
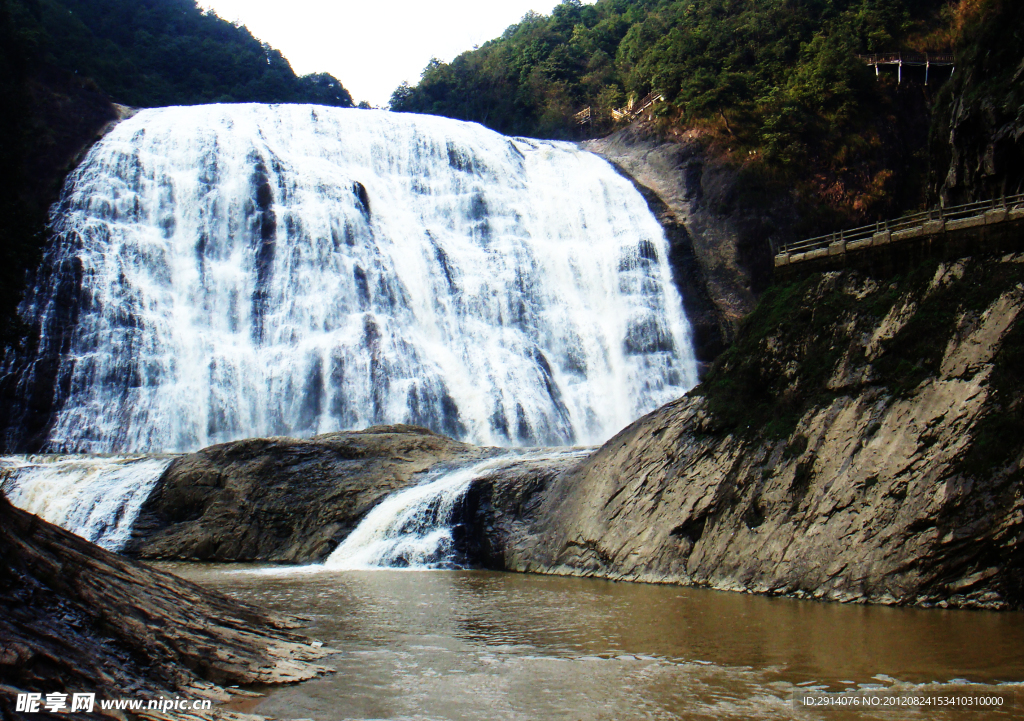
{"x": 282, "y": 499}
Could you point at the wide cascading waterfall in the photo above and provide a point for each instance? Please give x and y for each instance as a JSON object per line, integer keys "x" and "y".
{"x": 95, "y": 497}
{"x": 228, "y": 271}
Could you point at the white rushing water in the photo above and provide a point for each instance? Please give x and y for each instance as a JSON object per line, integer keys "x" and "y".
{"x": 230, "y": 271}
{"x": 413, "y": 528}
{"x": 95, "y": 497}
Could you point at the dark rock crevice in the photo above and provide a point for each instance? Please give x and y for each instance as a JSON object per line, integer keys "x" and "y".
{"x": 977, "y": 140}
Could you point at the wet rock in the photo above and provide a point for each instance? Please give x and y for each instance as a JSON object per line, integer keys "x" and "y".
{"x": 282, "y": 499}
{"x": 74, "y": 617}
{"x": 498, "y": 510}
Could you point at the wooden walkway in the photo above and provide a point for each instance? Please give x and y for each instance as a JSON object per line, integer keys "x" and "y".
{"x": 630, "y": 112}
{"x": 927, "y": 223}
{"x": 584, "y": 117}
{"x": 634, "y": 110}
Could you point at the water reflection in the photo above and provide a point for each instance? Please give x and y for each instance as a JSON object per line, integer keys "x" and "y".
{"x": 481, "y": 645}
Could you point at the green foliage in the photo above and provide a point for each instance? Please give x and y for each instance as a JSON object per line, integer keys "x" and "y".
{"x": 747, "y": 388}
{"x": 778, "y": 74}
{"x": 150, "y": 53}
{"x": 785, "y": 355}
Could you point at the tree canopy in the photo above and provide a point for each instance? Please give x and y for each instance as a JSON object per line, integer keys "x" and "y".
{"x": 149, "y": 53}
{"x": 777, "y": 82}
{"x": 761, "y": 63}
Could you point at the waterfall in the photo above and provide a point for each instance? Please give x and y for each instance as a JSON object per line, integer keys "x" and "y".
{"x": 229, "y": 271}
{"x": 412, "y": 528}
{"x": 95, "y": 497}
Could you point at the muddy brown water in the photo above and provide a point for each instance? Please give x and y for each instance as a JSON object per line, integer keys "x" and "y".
{"x": 484, "y": 645}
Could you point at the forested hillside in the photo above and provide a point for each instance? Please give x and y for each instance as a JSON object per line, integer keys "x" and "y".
{"x": 754, "y": 65}
{"x": 165, "y": 52}
{"x": 776, "y": 82}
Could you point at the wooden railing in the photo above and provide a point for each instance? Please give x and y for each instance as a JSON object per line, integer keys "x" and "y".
{"x": 584, "y": 116}
{"x": 633, "y": 111}
{"x": 908, "y": 59}
{"x": 936, "y": 220}
{"x": 925, "y": 60}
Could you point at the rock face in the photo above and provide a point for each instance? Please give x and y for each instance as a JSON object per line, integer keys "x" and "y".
{"x": 978, "y": 139}
{"x": 282, "y": 499}
{"x": 719, "y": 248}
{"x": 74, "y": 617}
{"x": 863, "y": 441}
{"x": 501, "y": 510}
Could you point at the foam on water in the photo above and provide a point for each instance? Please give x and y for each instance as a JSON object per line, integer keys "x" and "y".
{"x": 95, "y": 497}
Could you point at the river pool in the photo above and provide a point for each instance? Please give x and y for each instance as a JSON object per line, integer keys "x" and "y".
{"x": 485, "y": 645}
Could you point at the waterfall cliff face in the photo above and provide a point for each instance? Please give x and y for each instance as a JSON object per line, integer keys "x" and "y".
{"x": 226, "y": 271}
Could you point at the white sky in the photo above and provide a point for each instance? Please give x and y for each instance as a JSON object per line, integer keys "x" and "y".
{"x": 371, "y": 46}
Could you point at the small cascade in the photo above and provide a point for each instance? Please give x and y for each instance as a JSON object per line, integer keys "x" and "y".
{"x": 413, "y": 528}
{"x": 95, "y": 497}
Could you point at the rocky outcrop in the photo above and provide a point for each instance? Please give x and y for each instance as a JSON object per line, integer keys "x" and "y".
{"x": 282, "y": 499}
{"x": 863, "y": 441}
{"x": 74, "y": 617}
{"x": 500, "y": 510}
{"x": 978, "y": 137}
{"x": 720, "y": 245}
